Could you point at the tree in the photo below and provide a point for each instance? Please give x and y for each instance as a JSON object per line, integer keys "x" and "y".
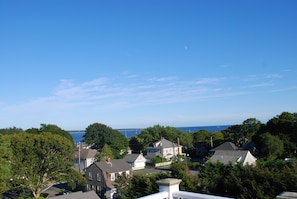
{"x": 153, "y": 134}
{"x": 186, "y": 140}
{"x": 285, "y": 127}
{"x": 10, "y": 130}
{"x": 250, "y": 127}
{"x": 122, "y": 185}
{"x": 52, "y": 129}
{"x": 100, "y": 134}
{"x": 105, "y": 153}
{"x": 271, "y": 146}
{"x": 5, "y": 167}
{"x": 182, "y": 171}
{"x": 42, "y": 159}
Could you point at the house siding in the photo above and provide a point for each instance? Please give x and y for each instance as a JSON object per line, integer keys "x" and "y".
{"x": 94, "y": 182}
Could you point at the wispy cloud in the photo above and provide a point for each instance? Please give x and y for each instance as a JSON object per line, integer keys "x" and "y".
{"x": 265, "y": 84}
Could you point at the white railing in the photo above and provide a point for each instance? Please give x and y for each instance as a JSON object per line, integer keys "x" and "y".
{"x": 159, "y": 195}
{"x": 191, "y": 195}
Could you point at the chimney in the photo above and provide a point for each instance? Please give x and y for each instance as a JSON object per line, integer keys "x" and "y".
{"x": 178, "y": 146}
{"x": 169, "y": 185}
{"x": 108, "y": 161}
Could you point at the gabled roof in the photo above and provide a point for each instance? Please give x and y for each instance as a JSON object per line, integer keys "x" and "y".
{"x": 78, "y": 195}
{"x": 226, "y": 146}
{"x": 163, "y": 143}
{"x": 132, "y": 157}
{"x": 118, "y": 165}
{"x": 86, "y": 153}
{"x": 233, "y": 157}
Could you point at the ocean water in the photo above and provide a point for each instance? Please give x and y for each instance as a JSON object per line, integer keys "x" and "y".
{"x": 78, "y": 135}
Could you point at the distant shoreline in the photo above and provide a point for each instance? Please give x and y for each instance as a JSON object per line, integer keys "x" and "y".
{"x": 181, "y": 128}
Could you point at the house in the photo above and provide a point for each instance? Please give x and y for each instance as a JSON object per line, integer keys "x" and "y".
{"x": 78, "y": 195}
{"x": 84, "y": 157}
{"x": 163, "y": 148}
{"x": 101, "y": 176}
{"x": 136, "y": 161}
{"x": 233, "y": 157}
{"x": 226, "y": 146}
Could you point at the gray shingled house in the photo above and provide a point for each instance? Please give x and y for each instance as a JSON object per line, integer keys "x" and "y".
{"x": 101, "y": 176}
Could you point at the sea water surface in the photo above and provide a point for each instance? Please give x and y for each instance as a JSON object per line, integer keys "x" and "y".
{"x": 78, "y": 135}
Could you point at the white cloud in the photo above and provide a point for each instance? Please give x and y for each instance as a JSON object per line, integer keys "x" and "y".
{"x": 265, "y": 84}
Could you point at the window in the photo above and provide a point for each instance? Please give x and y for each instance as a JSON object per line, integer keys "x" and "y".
{"x": 90, "y": 176}
{"x": 99, "y": 177}
{"x": 112, "y": 176}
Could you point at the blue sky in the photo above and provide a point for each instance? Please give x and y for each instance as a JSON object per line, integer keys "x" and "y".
{"x": 135, "y": 64}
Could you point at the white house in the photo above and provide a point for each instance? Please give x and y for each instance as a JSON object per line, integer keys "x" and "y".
{"x": 163, "y": 148}
{"x": 84, "y": 158}
{"x": 136, "y": 161}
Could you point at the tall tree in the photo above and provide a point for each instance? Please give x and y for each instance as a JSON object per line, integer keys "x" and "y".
{"x": 285, "y": 127}
{"x": 52, "y": 129}
{"x": 271, "y": 146}
{"x": 11, "y": 130}
{"x": 42, "y": 159}
{"x": 153, "y": 134}
{"x": 100, "y": 134}
{"x": 5, "y": 166}
{"x": 105, "y": 153}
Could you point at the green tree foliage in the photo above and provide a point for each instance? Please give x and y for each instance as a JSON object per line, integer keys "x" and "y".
{"x": 285, "y": 127}
{"x": 202, "y": 135}
{"x": 271, "y": 146}
{"x": 186, "y": 140}
{"x": 250, "y": 127}
{"x": 242, "y": 133}
{"x": 142, "y": 185}
{"x": 248, "y": 182}
{"x": 153, "y": 134}
{"x": 10, "y": 130}
{"x": 105, "y": 153}
{"x": 5, "y": 159}
{"x": 135, "y": 144}
{"x": 42, "y": 159}
{"x": 122, "y": 185}
{"x": 190, "y": 182}
{"x": 52, "y": 129}
{"x": 100, "y": 134}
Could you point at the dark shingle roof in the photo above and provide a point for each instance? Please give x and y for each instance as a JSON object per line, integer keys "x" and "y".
{"x": 118, "y": 165}
{"x": 226, "y": 146}
{"x": 86, "y": 153}
{"x": 78, "y": 195}
{"x": 131, "y": 157}
{"x": 226, "y": 157}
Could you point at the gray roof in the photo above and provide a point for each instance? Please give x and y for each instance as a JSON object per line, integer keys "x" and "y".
{"x": 118, "y": 165}
{"x": 78, "y": 195}
{"x": 86, "y": 153}
{"x": 227, "y": 157}
{"x": 226, "y": 146}
{"x": 131, "y": 157}
{"x": 163, "y": 143}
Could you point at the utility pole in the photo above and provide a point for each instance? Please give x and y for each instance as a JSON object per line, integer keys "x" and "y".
{"x": 79, "y": 156}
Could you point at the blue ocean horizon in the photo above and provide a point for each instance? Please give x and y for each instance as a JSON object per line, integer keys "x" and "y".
{"x": 78, "y": 135}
